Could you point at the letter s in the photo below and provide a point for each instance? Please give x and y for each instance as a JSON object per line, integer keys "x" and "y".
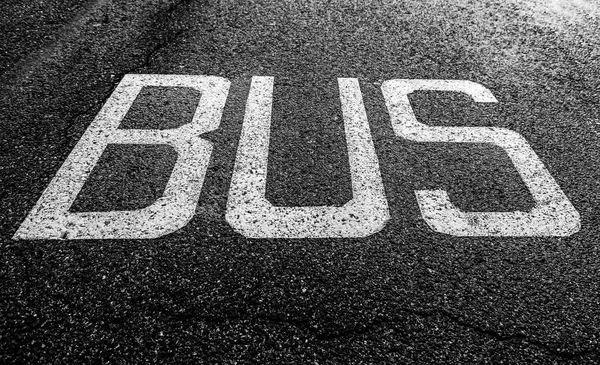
{"x": 553, "y": 213}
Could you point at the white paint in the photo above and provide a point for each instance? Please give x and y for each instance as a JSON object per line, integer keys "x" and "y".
{"x": 50, "y": 218}
{"x": 251, "y": 214}
{"x": 552, "y": 215}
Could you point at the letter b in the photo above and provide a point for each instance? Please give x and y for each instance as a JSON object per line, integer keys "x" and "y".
{"x": 51, "y": 219}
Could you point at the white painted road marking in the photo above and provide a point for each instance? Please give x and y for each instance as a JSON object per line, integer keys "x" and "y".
{"x": 248, "y": 210}
{"x": 50, "y": 218}
{"x": 251, "y": 214}
{"x": 553, "y": 213}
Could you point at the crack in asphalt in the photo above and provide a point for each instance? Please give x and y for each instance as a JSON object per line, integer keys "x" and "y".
{"x": 163, "y": 20}
{"x": 306, "y": 327}
{"x": 500, "y": 337}
{"x": 166, "y": 40}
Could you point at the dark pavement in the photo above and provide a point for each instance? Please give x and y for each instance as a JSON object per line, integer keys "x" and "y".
{"x": 206, "y": 294}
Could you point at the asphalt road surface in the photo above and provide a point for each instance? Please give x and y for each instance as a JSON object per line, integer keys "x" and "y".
{"x": 234, "y": 281}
